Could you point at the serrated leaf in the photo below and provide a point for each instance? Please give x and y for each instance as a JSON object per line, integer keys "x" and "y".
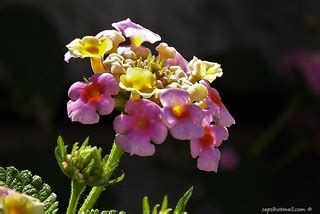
{"x": 145, "y": 205}
{"x": 32, "y": 185}
{"x": 181, "y": 206}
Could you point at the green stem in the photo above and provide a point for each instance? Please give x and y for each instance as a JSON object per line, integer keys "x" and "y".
{"x": 76, "y": 191}
{"x": 274, "y": 129}
{"x": 111, "y": 165}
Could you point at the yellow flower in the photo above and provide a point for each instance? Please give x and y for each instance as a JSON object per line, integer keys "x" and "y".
{"x": 16, "y": 203}
{"x": 90, "y": 46}
{"x": 139, "y": 81}
{"x": 204, "y": 70}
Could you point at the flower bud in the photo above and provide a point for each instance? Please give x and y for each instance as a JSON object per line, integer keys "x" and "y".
{"x": 197, "y": 92}
{"x": 84, "y": 164}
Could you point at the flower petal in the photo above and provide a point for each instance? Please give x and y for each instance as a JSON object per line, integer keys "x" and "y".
{"x": 111, "y": 86}
{"x": 158, "y": 133}
{"x": 167, "y": 117}
{"x": 195, "y": 147}
{"x": 82, "y": 112}
{"x": 209, "y": 160}
{"x": 75, "y": 90}
{"x": 106, "y": 105}
{"x": 187, "y": 130}
{"x": 135, "y": 144}
{"x": 122, "y": 123}
{"x": 173, "y": 96}
{"x": 220, "y": 133}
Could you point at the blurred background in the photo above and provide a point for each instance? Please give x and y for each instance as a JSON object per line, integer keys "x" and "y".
{"x": 270, "y": 55}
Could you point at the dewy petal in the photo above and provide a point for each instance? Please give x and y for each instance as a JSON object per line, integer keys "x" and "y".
{"x": 75, "y": 90}
{"x": 209, "y": 160}
{"x": 135, "y": 144}
{"x": 173, "y": 96}
{"x": 195, "y": 147}
{"x": 82, "y": 112}
{"x": 131, "y": 29}
{"x": 123, "y": 123}
{"x": 187, "y": 130}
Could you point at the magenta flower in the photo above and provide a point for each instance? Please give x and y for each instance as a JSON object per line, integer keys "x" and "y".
{"x": 136, "y": 32}
{"x": 181, "y": 116}
{"x": 141, "y": 125}
{"x": 215, "y": 105}
{"x": 205, "y": 147}
{"x": 89, "y": 100}
{"x": 308, "y": 64}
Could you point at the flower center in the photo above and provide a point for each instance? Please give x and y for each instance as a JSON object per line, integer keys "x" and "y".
{"x": 180, "y": 111}
{"x": 92, "y": 92}
{"x": 92, "y": 49}
{"x": 216, "y": 99}
{"x": 142, "y": 123}
{"x": 208, "y": 138}
{"x": 16, "y": 210}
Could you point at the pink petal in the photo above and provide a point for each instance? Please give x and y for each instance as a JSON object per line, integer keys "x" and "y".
{"x": 105, "y": 105}
{"x": 209, "y": 160}
{"x": 187, "y": 130}
{"x": 82, "y": 112}
{"x": 158, "y": 133}
{"x": 135, "y": 144}
{"x": 179, "y": 61}
{"x": 195, "y": 147}
{"x": 225, "y": 118}
{"x": 111, "y": 86}
{"x": 220, "y": 133}
{"x": 129, "y": 28}
{"x": 122, "y": 123}
{"x": 167, "y": 117}
{"x": 75, "y": 90}
{"x": 173, "y": 96}
{"x": 135, "y": 107}
{"x": 196, "y": 113}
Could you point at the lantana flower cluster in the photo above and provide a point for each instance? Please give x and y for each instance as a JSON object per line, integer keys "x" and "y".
{"x": 157, "y": 91}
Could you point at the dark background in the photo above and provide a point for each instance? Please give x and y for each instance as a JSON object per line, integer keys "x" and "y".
{"x": 276, "y": 136}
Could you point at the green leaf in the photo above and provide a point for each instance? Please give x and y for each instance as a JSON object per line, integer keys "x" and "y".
{"x": 164, "y": 205}
{"x": 145, "y": 205}
{"x": 155, "y": 209}
{"x": 32, "y": 185}
{"x": 116, "y": 180}
{"x": 181, "y": 206}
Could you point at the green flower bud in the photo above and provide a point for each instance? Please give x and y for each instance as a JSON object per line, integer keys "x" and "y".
{"x": 85, "y": 163}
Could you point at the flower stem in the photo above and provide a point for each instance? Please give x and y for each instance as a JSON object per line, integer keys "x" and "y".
{"x": 76, "y": 191}
{"x": 274, "y": 129}
{"x": 111, "y": 165}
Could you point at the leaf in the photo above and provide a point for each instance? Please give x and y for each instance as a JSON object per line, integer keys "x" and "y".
{"x": 32, "y": 185}
{"x": 181, "y": 206}
{"x": 145, "y": 205}
{"x": 164, "y": 205}
{"x": 116, "y": 180}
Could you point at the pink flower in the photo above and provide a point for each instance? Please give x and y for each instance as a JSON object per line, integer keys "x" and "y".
{"x": 141, "y": 125}
{"x": 215, "y": 105}
{"x": 308, "y": 64}
{"x": 136, "y": 32}
{"x": 180, "y": 116}
{"x": 88, "y": 100}
{"x": 179, "y": 61}
{"x": 205, "y": 149}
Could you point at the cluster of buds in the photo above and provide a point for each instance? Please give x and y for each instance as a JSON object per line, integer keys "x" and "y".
{"x": 12, "y": 202}
{"x": 157, "y": 91}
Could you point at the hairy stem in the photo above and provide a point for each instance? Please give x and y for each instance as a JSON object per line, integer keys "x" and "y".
{"x": 76, "y": 191}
